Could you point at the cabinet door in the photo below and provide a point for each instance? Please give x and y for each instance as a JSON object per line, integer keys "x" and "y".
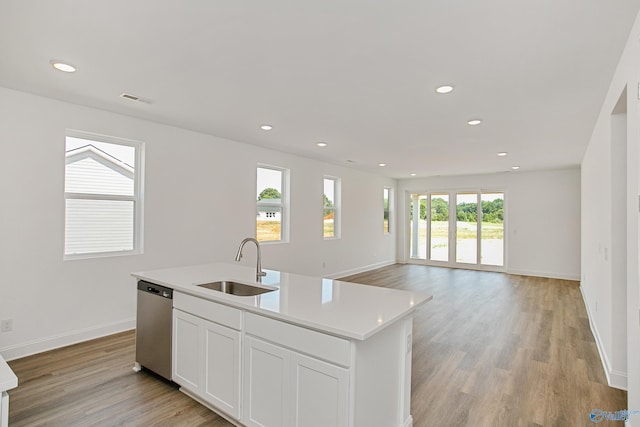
{"x": 222, "y": 367}
{"x": 266, "y": 384}
{"x": 319, "y": 392}
{"x": 186, "y": 351}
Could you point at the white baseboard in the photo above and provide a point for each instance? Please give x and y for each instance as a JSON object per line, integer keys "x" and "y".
{"x": 360, "y": 269}
{"x": 615, "y": 379}
{"x": 548, "y": 274}
{"x": 49, "y": 343}
{"x": 618, "y": 379}
{"x": 408, "y": 422}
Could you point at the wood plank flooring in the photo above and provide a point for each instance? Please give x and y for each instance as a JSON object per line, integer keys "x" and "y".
{"x": 490, "y": 349}
{"x": 493, "y": 349}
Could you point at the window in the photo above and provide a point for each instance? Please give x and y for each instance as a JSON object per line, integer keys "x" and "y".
{"x": 102, "y": 196}
{"x": 271, "y": 205}
{"x": 331, "y": 208}
{"x": 387, "y": 220}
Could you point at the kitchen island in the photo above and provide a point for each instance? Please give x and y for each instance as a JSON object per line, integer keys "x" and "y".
{"x": 310, "y": 352}
{"x": 8, "y": 381}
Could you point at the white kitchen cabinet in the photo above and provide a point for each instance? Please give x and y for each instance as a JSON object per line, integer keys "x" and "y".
{"x": 221, "y": 383}
{"x": 266, "y": 384}
{"x": 206, "y": 354}
{"x": 186, "y": 351}
{"x": 285, "y": 387}
{"x": 320, "y": 393}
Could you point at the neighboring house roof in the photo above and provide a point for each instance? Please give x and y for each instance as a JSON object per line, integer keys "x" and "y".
{"x": 100, "y": 156}
{"x": 91, "y": 170}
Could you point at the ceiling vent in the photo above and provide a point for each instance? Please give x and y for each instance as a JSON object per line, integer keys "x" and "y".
{"x": 136, "y": 98}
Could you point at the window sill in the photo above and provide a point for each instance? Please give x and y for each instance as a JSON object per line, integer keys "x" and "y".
{"x": 72, "y": 257}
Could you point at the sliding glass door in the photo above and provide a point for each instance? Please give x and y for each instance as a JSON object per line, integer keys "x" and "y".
{"x": 466, "y": 228}
{"x": 492, "y": 229}
{"x": 439, "y": 227}
{"x": 470, "y": 235}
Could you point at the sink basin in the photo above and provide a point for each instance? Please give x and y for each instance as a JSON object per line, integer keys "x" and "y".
{"x": 236, "y": 288}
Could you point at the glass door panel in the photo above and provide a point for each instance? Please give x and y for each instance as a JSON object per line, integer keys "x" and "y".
{"x": 467, "y": 228}
{"x": 418, "y": 226}
{"x": 492, "y": 229}
{"x": 439, "y": 237}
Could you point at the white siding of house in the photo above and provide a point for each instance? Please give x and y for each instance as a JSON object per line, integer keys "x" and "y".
{"x": 94, "y": 226}
{"x": 98, "y": 225}
{"x": 92, "y": 174}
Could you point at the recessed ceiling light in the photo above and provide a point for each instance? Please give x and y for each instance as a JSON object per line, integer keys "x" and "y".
{"x": 474, "y": 122}
{"x": 444, "y": 89}
{"x": 62, "y": 66}
{"x": 413, "y": 174}
{"x": 321, "y": 144}
{"x": 266, "y": 127}
{"x": 502, "y": 153}
{"x": 515, "y": 167}
{"x": 382, "y": 164}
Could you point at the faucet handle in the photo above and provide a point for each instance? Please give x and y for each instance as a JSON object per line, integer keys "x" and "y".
{"x": 262, "y": 273}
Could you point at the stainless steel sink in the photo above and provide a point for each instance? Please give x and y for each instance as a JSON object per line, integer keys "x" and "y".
{"x": 236, "y": 288}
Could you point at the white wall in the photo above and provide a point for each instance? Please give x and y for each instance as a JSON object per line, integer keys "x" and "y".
{"x": 609, "y": 249}
{"x": 199, "y": 204}
{"x": 542, "y": 210}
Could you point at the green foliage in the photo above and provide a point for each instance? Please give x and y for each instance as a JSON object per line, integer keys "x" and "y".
{"x": 439, "y": 210}
{"x": 327, "y": 204}
{"x": 467, "y": 212}
{"x": 492, "y": 211}
{"x": 386, "y": 209}
{"x": 269, "y": 193}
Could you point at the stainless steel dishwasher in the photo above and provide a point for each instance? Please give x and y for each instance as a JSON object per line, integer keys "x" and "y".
{"x": 154, "y": 327}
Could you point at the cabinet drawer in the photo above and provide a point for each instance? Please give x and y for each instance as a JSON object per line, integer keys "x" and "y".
{"x": 209, "y": 310}
{"x": 319, "y": 345}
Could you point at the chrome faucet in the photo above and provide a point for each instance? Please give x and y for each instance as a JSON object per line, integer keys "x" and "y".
{"x": 259, "y": 273}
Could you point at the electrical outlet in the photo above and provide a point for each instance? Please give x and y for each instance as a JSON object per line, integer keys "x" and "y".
{"x": 7, "y": 325}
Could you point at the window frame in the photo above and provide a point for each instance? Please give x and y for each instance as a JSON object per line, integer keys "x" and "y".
{"x": 283, "y": 205}
{"x": 136, "y": 198}
{"x": 336, "y": 208}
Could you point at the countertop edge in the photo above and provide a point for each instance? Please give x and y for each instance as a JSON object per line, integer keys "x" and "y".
{"x": 8, "y": 379}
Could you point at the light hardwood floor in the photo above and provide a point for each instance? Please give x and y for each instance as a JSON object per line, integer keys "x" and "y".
{"x": 490, "y": 349}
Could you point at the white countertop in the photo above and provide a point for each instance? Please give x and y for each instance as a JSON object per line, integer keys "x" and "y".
{"x": 344, "y": 309}
{"x": 8, "y": 379}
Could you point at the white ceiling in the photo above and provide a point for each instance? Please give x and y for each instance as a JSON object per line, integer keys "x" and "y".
{"x": 357, "y": 74}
